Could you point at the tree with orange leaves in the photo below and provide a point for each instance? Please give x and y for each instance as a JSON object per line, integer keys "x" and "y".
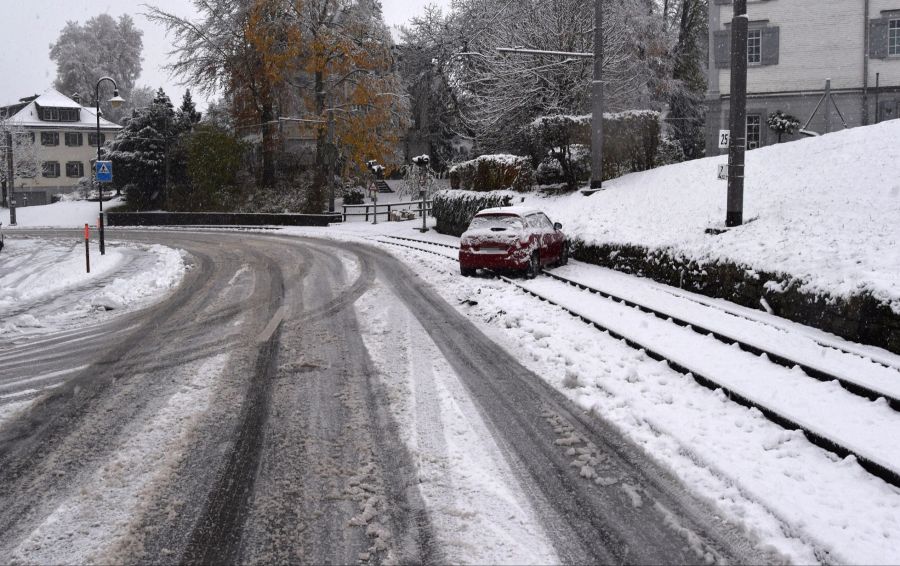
{"x": 327, "y": 62}
{"x": 223, "y": 51}
{"x": 344, "y": 76}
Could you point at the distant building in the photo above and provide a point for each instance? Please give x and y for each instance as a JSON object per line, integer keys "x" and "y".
{"x": 794, "y": 46}
{"x": 64, "y": 134}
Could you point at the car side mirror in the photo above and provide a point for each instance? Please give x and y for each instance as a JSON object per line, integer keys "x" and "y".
{"x": 557, "y": 226}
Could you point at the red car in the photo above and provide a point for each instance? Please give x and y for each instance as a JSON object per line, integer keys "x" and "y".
{"x": 512, "y": 239}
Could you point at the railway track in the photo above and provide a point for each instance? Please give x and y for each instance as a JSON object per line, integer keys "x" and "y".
{"x": 598, "y": 308}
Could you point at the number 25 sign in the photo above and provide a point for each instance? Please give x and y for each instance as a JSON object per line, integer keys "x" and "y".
{"x": 724, "y": 139}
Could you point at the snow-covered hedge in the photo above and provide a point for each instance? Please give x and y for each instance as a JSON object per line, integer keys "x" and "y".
{"x": 454, "y": 209}
{"x": 493, "y": 173}
{"x": 631, "y": 143}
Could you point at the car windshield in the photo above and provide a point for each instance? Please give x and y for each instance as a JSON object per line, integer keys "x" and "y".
{"x": 496, "y": 223}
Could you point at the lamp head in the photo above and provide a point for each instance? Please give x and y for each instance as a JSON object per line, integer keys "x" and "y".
{"x": 116, "y": 100}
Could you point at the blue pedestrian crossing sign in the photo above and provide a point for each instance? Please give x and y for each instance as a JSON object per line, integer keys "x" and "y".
{"x": 104, "y": 171}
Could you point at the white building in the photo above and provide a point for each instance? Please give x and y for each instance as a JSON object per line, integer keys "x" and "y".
{"x": 794, "y": 47}
{"x": 64, "y": 134}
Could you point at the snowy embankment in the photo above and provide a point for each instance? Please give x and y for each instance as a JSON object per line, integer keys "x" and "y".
{"x": 44, "y": 285}
{"x": 69, "y": 214}
{"x": 823, "y": 210}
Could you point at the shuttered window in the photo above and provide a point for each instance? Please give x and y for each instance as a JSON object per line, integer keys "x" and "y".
{"x": 754, "y": 47}
{"x": 50, "y": 169}
{"x": 763, "y": 45}
{"x": 754, "y": 131}
{"x": 74, "y": 169}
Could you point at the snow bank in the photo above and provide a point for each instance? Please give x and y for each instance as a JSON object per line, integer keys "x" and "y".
{"x": 70, "y": 214}
{"x": 44, "y": 285}
{"x": 824, "y": 210}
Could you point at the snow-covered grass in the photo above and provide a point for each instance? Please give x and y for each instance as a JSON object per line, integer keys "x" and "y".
{"x": 824, "y": 210}
{"x": 67, "y": 214}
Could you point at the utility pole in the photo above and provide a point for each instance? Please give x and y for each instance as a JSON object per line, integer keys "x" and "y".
{"x": 597, "y": 102}
{"x": 330, "y": 164}
{"x": 738, "y": 115}
{"x": 10, "y": 179}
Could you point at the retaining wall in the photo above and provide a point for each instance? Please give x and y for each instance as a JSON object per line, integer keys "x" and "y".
{"x": 217, "y": 219}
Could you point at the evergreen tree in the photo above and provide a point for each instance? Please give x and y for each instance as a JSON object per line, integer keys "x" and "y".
{"x": 187, "y": 113}
{"x": 139, "y": 153}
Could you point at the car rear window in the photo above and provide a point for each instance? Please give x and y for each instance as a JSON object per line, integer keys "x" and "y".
{"x": 496, "y": 222}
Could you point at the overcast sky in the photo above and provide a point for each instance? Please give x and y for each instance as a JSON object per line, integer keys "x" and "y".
{"x": 28, "y": 27}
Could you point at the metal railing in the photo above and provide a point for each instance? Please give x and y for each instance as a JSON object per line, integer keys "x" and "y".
{"x": 374, "y": 210}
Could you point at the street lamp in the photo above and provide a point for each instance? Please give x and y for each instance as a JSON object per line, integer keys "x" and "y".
{"x": 116, "y": 101}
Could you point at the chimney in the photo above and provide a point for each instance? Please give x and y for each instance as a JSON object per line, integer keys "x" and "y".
{"x": 77, "y": 98}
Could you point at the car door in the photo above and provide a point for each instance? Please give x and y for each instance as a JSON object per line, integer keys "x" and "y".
{"x": 552, "y": 239}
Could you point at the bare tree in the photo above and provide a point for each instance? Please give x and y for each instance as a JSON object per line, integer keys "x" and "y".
{"x": 24, "y": 151}
{"x": 500, "y": 94}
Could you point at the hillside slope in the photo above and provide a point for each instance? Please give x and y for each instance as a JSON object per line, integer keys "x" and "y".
{"x": 824, "y": 210}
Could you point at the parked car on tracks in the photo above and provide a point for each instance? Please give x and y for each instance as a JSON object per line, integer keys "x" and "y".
{"x": 512, "y": 239}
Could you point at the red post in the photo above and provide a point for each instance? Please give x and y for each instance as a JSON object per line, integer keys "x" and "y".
{"x": 87, "y": 247}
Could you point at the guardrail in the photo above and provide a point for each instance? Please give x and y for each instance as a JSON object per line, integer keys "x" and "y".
{"x": 385, "y": 209}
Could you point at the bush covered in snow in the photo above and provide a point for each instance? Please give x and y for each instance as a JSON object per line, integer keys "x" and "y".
{"x": 782, "y": 124}
{"x": 631, "y": 143}
{"x": 454, "y": 209}
{"x": 493, "y": 173}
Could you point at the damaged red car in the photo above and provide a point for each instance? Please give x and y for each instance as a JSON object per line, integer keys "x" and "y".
{"x": 512, "y": 239}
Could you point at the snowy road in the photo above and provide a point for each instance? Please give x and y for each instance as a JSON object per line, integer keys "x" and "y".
{"x": 310, "y": 400}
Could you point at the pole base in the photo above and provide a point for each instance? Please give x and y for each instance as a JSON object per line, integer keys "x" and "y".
{"x": 733, "y": 219}
{"x": 596, "y": 185}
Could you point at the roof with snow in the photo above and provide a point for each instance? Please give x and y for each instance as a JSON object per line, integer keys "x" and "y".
{"x": 29, "y": 115}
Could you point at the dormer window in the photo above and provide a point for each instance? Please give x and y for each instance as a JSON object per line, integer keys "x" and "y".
{"x": 59, "y": 114}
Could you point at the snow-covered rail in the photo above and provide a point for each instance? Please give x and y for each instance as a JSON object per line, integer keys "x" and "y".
{"x": 748, "y": 366}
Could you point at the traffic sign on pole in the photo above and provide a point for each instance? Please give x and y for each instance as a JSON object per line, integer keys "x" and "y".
{"x": 104, "y": 171}
{"x": 724, "y": 139}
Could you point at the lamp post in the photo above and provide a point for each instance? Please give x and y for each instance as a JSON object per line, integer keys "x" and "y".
{"x": 115, "y": 102}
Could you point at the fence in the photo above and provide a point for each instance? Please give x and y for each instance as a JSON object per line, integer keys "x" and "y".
{"x": 377, "y": 209}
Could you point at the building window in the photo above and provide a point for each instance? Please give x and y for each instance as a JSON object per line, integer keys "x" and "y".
{"x": 75, "y": 169}
{"x": 51, "y": 169}
{"x": 24, "y": 137}
{"x": 92, "y": 139}
{"x": 894, "y": 37}
{"x": 50, "y": 114}
{"x": 754, "y": 47}
{"x": 74, "y": 139}
{"x": 68, "y": 114}
{"x": 49, "y": 138}
{"x": 754, "y": 122}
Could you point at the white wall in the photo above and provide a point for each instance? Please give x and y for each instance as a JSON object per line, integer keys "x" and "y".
{"x": 819, "y": 40}
{"x": 62, "y": 154}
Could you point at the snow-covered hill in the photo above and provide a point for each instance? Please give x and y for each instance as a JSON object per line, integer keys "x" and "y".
{"x": 825, "y": 210}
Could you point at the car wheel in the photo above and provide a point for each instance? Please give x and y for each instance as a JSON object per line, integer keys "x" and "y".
{"x": 534, "y": 266}
{"x": 466, "y": 271}
{"x": 564, "y": 256}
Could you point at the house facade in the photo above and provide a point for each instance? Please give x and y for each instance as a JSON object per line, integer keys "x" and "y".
{"x": 794, "y": 48}
{"x": 64, "y": 136}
